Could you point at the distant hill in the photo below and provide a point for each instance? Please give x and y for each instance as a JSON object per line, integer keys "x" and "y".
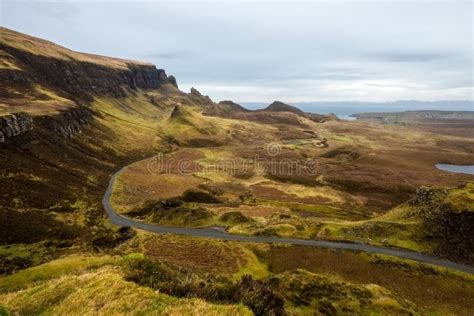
{"x": 412, "y": 116}
{"x": 278, "y": 106}
{"x": 275, "y": 113}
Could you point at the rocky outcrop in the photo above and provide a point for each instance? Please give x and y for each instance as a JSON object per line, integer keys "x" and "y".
{"x": 14, "y": 124}
{"x": 427, "y": 196}
{"x": 448, "y": 220}
{"x": 172, "y": 80}
{"x": 196, "y": 96}
{"x": 68, "y": 123}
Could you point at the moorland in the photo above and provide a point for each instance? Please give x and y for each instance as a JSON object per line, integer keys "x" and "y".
{"x": 70, "y": 120}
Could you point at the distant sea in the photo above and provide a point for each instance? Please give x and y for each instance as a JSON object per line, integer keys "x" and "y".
{"x": 344, "y": 109}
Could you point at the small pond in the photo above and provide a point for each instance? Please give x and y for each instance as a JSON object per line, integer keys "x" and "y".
{"x": 467, "y": 169}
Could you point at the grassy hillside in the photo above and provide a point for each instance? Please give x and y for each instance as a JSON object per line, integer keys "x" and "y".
{"x": 437, "y": 221}
{"x": 104, "y": 292}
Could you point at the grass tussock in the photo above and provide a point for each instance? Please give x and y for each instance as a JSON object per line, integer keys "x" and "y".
{"x": 104, "y": 292}
{"x": 53, "y": 269}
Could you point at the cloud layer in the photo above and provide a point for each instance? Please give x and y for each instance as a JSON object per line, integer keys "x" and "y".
{"x": 246, "y": 51}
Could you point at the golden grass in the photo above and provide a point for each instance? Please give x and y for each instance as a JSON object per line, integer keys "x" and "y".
{"x": 53, "y": 269}
{"x": 105, "y": 292}
{"x": 403, "y": 226}
{"x": 7, "y": 61}
{"x": 306, "y": 193}
{"x": 42, "y": 47}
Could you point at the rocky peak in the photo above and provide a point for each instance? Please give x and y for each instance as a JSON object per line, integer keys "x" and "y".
{"x": 197, "y": 96}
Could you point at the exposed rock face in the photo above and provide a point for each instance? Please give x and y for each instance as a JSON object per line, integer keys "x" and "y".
{"x": 172, "y": 80}
{"x": 425, "y": 195}
{"x": 448, "y": 222}
{"x": 198, "y": 97}
{"x": 79, "y": 79}
{"x": 14, "y": 124}
{"x": 69, "y": 123}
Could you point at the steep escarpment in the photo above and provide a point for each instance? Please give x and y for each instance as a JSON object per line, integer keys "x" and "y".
{"x": 42, "y": 78}
{"x": 54, "y": 173}
{"x": 79, "y": 79}
{"x": 67, "y": 121}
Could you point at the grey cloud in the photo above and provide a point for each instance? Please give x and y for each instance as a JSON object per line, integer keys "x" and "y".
{"x": 168, "y": 55}
{"x": 424, "y": 57}
{"x": 264, "y": 51}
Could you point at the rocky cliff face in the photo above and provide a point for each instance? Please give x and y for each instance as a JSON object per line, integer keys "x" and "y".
{"x": 67, "y": 124}
{"x": 14, "y": 125}
{"x": 79, "y": 79}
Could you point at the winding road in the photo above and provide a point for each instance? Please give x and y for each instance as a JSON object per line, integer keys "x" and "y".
{"x": 214, "y": 233}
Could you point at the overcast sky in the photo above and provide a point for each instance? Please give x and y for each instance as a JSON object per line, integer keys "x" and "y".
{"x": 247, "y": 51}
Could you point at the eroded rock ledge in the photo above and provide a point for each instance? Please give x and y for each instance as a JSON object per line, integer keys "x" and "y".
{"x": 14, "y": 124}
{"x": 79, "y": 80}
{"x": 67, "y": 124}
